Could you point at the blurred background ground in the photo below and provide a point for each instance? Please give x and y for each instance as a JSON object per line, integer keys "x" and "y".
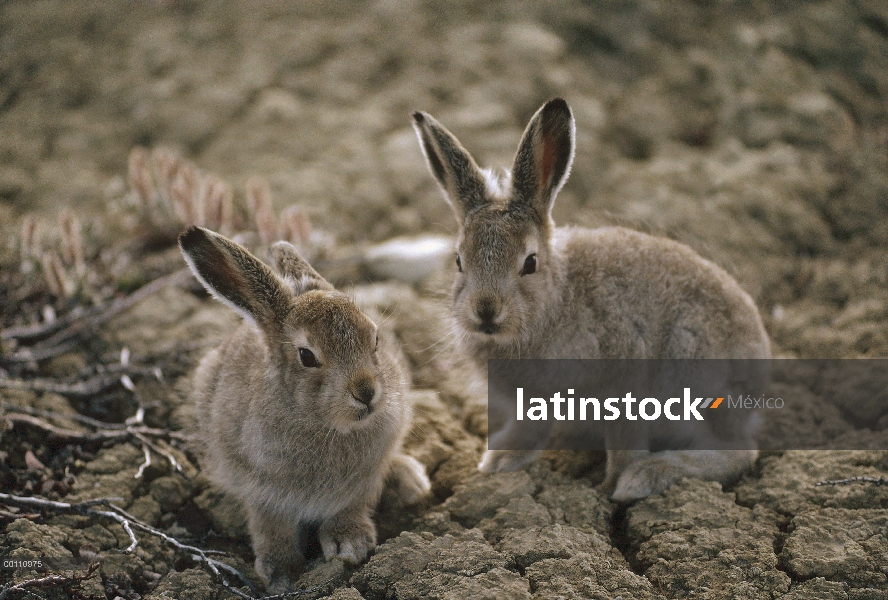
{"x": 756, "y": 132}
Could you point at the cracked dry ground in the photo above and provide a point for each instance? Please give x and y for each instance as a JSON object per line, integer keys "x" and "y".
{"x": 756, "y": 134}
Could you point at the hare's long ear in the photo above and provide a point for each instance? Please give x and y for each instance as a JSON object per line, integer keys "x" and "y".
{"x": 544, "y": 157}
{"x": 236, "y": 277}
{"x": 296, "y": 270}
{"x": 452, "y": 166}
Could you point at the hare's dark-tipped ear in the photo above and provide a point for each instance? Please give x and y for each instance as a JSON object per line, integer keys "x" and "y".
{"x": 544, "y": 157}
{"x": 235, "y": 277}
{"x": 295, "y": 270}
{"x": 450, "y": 163}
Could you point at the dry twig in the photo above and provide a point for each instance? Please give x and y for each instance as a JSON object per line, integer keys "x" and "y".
{"x": 861, "y": 479}
{"x": 80, "y": 389}
{"x": 65, "y": 330}
{"x": 113, "y": 432}
{"x": 130, "y": 524}
{"x": 67, "y": 582}
{"x": 152, "y": 446}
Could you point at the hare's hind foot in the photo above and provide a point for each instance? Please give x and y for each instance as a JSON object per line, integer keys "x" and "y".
{"x": 654, "y": 473}
{"x": 278, "y": 578}
{"x": 647, "y": 477}
{"x": 407, "y": 480}
{"x": 349, "y": 535}
{"x": 278, "y": 544}
{"x": 500, "y": 461}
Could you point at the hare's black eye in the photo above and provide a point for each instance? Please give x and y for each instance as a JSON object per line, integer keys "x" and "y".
{"x": 308, "y": 359}
{"x": 458, "y": 263}
{"x": 377, "y": 340}
{"x": 530, "y": 265}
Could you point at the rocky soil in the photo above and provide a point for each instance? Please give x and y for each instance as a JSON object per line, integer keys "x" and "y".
{"x": 756, "y": 132}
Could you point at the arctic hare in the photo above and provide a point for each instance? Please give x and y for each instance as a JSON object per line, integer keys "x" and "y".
{"x": 526, "y": 289}
{"x": 301, "y": 410}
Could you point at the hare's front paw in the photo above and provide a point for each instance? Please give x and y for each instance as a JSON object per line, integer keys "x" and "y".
{"x": 349, "y": 536}
{"x": 498, "y": 461}
{"x": 645, "y": 478}
{"x": 408, "y": 480}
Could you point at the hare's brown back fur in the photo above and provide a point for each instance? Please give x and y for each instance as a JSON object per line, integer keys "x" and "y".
{"x": 647, "y": 297}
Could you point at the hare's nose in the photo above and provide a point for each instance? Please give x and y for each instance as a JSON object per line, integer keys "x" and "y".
{"x": 487, "y": 309}
{"x": 364, "y": 390}
{"x": 486, "y": 312}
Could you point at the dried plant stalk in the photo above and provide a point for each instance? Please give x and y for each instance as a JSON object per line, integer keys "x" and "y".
{"x": 259, "y": 204}
{"x": 186, "y": 194}
{"x": 30, "y": 236}
{"x": 53, "y": 273}
{"x": 166, "y": 165}
{"x": 140, "y": 178}
{"x": 297, "y": 228}
{"x": 72, "y": 242}
{"x": 218, "y": 204}
{"x": 181, "y": 195}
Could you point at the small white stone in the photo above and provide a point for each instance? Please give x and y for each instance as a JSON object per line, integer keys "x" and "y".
{"x": 410, "y": 260}
{"x": 533, "y": 39}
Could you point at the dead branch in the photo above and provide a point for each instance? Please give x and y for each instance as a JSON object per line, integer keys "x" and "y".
{"x": 63, "y": 434}
{"x": 126, "y": 520}
{"x": 76, "y": 323}
{"x": 17, "y": 414}
{"x": 130, "y": 524}
{"x": 147, "y": 462}
{"x": 68, "y": 582}
{"x": 57, "y": 415}
{"x": 108, "y": 378}
{"x": 132, "y": 429}
{"x": 148, "y": 446}
{"x": 110, "y": 368}
{"x": 26, "y": 355}
{"x": 12, "y": 516}
{"x": 27, "y": 333}
{"x": 80, "y": 389}
{"x": 861, "y": 479}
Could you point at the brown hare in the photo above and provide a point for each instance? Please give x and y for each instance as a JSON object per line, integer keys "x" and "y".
{"x": 526, "y": 289}
{"x": 301, "y": 410}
